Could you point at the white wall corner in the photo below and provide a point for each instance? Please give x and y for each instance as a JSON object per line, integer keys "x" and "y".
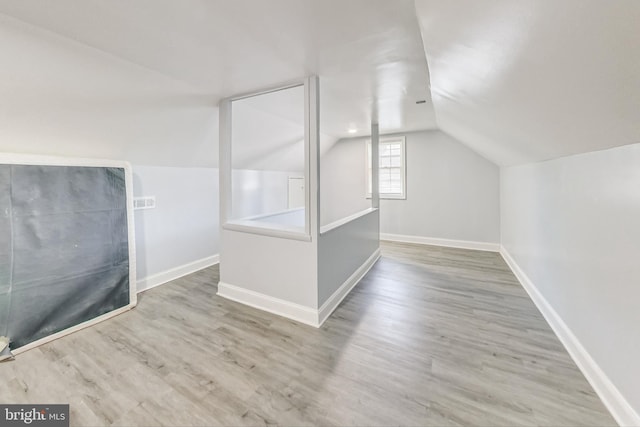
{"x": 435, "y": 241}
{"x": 336, "y": 298}
{"x": 615, "y": 402}
{"x": 280, "y": 307}
{"x": 175, "y": 273}
{"x": 293, "y": 311}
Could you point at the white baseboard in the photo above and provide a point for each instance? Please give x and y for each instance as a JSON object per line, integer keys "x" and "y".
{"x": 175, "y": 273}
{"x": 334, "y": 300}
{"x": 297, "y": 312}
{"x": 435, "y": 241}
{"x": 615, "y": 402}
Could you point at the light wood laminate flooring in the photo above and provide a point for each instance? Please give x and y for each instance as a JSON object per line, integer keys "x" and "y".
{"x": 431, "y": 337}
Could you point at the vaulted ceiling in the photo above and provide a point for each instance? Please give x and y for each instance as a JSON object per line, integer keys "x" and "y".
{"x": 527, "y": 80}
{"x": 516, "y": 80}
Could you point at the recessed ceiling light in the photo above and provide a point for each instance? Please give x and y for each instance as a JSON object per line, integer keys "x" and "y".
{"x": 352, "y": 130}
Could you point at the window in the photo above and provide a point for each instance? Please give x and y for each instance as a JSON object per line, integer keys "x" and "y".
{"x": 392, "y": 181}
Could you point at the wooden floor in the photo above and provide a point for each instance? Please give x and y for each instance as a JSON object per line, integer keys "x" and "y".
{"x": 431, "y": 336}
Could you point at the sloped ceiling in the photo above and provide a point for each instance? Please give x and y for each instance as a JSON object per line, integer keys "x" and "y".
{"x": 516, "y": 80}
{"x": 141, "y": 79}
{"x": 527, "y": 80}
{"x": 268, "y": 131}
{"x": 59, "y": 97}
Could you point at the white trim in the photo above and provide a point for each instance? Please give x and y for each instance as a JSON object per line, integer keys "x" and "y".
{"x": 34, "y": 159}
{"x": 269, "y": 215}
{"x": 224, "y": 160}
{"x": 345, "y": 220}
{"x": 271, "y": 89}
{"x": 373, "y": 152}
{"x": 369, "y": 167}
{"x": 267, "y": 229}
{"x": 311, "y": 107}
{"x": 300, "y": 313}
{"x": 334, "y": 300}
{"x": 290, "y": 310}
{"x": 615, "y": 402}
{"x": 312, "y": 155}
{"x": 175, "y": 273}
{"x": 435, "y": 241}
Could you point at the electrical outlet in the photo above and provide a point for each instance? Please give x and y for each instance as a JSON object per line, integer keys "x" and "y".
{"x": 148, "y": 202}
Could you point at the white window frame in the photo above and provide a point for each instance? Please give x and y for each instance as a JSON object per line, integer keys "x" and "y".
{"x": 312, "y": 164}
{"x": 403, "y": 167}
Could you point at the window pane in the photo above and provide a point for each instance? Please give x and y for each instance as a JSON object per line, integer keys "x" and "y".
{"x": 391, "y": 172}
{"x": 268, "y": 159}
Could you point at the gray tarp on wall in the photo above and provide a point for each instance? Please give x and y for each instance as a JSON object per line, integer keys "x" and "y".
{"x": 64, "y": 256}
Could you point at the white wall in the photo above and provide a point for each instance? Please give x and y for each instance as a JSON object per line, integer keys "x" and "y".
{"x": 259, "y": 192}
{"x": 184, "y": 226}
{"x": 343, "y": 184}
{"x": 452, "y": 192}
{"x": 274, "y": 268}
{"x": 573, "y": 226}
{"x": 63, "y": 98}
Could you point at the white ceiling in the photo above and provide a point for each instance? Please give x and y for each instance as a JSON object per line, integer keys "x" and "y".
{"x": 368, "y": 54}
{"x": 515, "y": 80}
{"x": 528, "y": 80}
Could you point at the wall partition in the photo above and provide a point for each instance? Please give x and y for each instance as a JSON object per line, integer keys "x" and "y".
{"x": 348, "y": 244}
{"x": 274, "y": 253}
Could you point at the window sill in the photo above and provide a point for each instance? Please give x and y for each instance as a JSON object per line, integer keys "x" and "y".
{"x": 390, "y": 197}
{"x": 339, "y": 223}
{"x": 268, "y": 229}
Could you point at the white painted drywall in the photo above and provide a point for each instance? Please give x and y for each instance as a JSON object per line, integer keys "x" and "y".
{"x": 273, "y": 267}
{"x": 452, "y": 192}
{"x": 268, "y": 131}
{"x": 343, "y": 184}
{"x": 524, "y": 81}
{"x": 259, "y": 192}
{"x": 184, "y": 226}
{"x": 573, "y": 227}
{"x": 293, "y": 218}
{"x": 370, "y": 53}
{"x": 344, "y": 250}
{"x": 63, "y": 98}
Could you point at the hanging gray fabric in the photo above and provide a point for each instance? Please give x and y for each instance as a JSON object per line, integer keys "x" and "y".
{"x": 5, "y": 351}
{"x": 64, "y": 249}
